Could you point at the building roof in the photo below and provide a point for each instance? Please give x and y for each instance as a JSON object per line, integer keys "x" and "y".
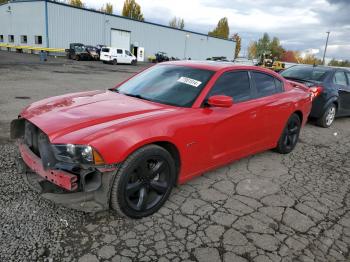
{"x": 119, "y": 16}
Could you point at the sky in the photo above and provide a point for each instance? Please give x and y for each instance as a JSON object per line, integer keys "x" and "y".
{"x": 299, "y": 24}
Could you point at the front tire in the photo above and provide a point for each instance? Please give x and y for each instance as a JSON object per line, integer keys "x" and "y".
{"x": 290, "y": 135}
{"x": 143, "y": 182}
{"x": 327, "y": 119}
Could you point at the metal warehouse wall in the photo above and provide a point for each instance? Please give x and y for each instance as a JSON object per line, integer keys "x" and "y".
{"x": 69, "y": 25}
{"x": 23, "y": 18}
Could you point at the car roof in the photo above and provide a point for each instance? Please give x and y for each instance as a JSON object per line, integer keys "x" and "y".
{"x": 217, "y": 66}
{"x": 315, "y": 66}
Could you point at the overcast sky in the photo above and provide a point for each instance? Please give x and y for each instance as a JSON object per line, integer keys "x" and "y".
{"x": 300, "y": 24}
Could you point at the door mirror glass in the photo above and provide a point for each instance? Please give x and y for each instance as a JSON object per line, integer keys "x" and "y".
{"x": 220, "y": 101}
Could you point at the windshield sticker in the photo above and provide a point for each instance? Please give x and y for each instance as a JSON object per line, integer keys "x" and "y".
{"x": 189, "y": 81}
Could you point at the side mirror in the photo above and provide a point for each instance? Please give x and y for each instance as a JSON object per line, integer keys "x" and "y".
{"x": 220, "y": 101}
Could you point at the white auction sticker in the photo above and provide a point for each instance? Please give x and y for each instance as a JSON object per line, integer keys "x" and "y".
{"x": 189, "y": 81}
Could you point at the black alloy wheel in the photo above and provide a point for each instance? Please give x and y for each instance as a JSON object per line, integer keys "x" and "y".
{"x": 144, "y": 182}
{"x": 290, "y": 135}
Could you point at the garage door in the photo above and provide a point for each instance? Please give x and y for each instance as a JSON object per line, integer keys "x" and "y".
{"x": 120, "y": 39}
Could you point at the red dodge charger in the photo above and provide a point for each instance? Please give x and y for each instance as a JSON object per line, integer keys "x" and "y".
{"x": 126, "y": 147}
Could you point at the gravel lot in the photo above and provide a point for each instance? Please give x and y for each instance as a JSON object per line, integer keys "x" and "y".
{"x": 268, "y": 207}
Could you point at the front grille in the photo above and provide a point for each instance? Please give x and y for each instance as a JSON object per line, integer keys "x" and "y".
{"x": 31, "y": 135}
{"x": 39, "y": 144}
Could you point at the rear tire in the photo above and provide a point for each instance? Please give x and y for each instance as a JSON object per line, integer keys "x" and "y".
{"x": 77, "y": 58}
{"x": 144, "y": 182}
{"x": 115, "y": 62}
{"x": 327, "y": 119}
{"x": 290, "y": 135}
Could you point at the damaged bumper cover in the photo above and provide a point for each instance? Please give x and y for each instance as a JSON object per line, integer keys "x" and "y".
{"x": 82, "y": 187}
{"x": 62, "y": 187}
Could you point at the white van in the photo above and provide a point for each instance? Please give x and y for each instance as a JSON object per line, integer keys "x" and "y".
{"x": 117, "y": 56}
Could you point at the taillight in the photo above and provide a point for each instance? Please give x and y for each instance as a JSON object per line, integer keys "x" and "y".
{"x": 315, "y": 91}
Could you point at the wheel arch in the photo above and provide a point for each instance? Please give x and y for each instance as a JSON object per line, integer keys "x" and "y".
{"x": 167, "y": 144}
{"x": 299, "y": 113}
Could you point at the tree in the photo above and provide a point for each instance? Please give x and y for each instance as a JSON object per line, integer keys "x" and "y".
{"x": 277, "y": 50}
{"x": 107, "y": 9}
{"x": 263, "y": 46}
{"x": 133, "y": 10}
{"x": 252, "y": 50}
{"x": 311, "y": 60}
{"x": 238, "y": 41}
{"x": 340, "y": 63}
{"x": 77, "y": 3}
{"x": 3, "y": 1}
{"x": 222, "y": 30}
{"x": 290, "y": 56}
{"x": 177, "y": 23}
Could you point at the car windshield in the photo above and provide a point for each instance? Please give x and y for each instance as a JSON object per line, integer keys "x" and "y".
{"x": 79, "y": 48}
{"x": 312, "y": 73}
{"x": 168, "y": 84}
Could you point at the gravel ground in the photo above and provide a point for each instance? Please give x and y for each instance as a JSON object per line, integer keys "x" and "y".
{"x": 267, "y": 207}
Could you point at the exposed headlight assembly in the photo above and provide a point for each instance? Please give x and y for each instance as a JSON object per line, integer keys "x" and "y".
{"x": 80, "y": 154}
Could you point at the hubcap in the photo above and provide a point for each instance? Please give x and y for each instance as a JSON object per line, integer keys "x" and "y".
{"x": 330, "y": 116}
{"x": 291, "y": 135}
{"x": 148, "y": 183}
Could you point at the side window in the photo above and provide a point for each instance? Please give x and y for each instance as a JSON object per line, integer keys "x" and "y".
{"x": 265, "y": 84}
{"x": 233, "y": 84}
{"x": 340, "y": 78}
{"x": 279, "y": 85}
{"x": 348, "y": 75}
{"x": 119, "y": 51}
{"x": 1, "y": 38}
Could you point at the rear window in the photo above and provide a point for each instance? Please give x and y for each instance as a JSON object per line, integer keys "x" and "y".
{"x": 306, "y": 73}
{"x": 106, "y": 50}
{"x": 266, "y": 84}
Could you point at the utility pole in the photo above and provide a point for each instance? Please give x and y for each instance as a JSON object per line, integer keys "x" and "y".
{"x": 325, "y": 49}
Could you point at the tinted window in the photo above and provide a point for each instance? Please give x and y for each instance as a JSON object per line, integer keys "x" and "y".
{"x": 306, "y": 72}
{"x": 168, "y": 84}
{"x": 340, "y": 78}
{"x": 265, "y": 84}
{"x": 279, "y": 85}
{"x": 105, "y": 50}
{"x": 128, "y": 53}
{"x": 348, "y": 75}
{"x": 11, "y": 38}
{"x": 1, "y": 38}
{"x": 119, "y": 51}
{"x": 233, "y": 84}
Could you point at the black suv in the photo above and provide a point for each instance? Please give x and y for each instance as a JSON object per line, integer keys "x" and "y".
{"x": 329, "y": 85}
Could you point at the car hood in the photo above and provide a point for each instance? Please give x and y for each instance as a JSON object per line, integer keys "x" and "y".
{"x": 61, "y": 115}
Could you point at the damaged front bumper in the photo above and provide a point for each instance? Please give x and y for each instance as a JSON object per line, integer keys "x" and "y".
{"x": 62, "y": 187}
{"x": 82, "y": 187}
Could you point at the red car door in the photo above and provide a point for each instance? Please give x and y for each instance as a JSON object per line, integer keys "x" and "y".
{"x": 235, "y": 131}
{"x": 274, "y": 106}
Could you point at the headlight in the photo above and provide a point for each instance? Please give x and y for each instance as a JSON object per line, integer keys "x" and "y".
{"x": 82, "y": 154}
